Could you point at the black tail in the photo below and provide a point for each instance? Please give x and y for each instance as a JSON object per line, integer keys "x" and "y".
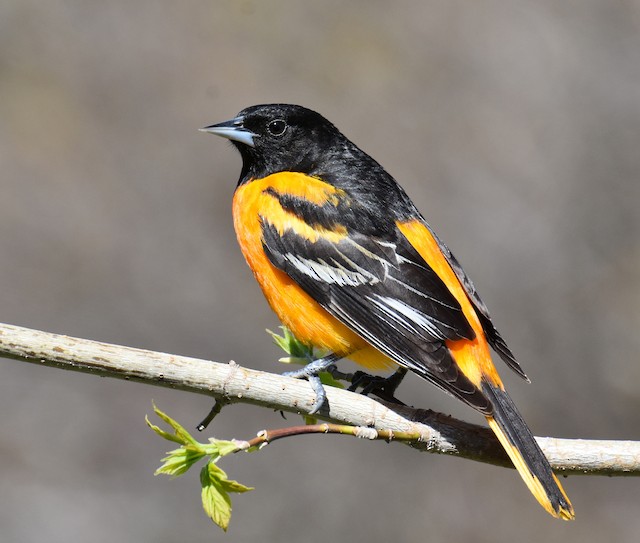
{"x": 526, "y": 455}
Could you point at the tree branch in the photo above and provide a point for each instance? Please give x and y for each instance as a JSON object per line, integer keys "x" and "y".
{"x": 232, "y": 383}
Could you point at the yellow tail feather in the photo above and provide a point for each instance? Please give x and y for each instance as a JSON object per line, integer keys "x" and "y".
{"x": 530, "y": 479}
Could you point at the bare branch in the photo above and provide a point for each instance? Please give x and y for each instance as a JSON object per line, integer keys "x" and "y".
{"x": 232, "y": 383}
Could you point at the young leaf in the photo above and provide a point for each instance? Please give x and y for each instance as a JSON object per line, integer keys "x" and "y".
{"x": 310, "y": 420}
{"x": 300, "y": 353}
{"x": 215, "y": 494}
{"x": 161, "y": 432}
{"x": 327, "y": 379}
{"x": 217, "y": 448}
{"x": 290, "y": 345}
{"x": 216, "y": 486}
{"x": 180, "y": 435}
{"x": 179, "y": 461}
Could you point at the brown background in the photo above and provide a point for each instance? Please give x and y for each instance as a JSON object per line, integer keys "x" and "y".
{"x": 515, "y": 126}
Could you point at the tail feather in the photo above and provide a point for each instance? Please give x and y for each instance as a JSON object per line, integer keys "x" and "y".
{"x": 526, "y": 455}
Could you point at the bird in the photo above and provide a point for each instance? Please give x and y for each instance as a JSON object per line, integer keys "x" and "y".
{"x": 350, "y": 265}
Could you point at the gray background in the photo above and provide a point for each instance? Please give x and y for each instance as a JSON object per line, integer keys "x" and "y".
{"x": 513, "y": 125}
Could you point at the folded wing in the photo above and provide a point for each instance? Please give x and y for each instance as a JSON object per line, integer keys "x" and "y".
{"x": 384, "y": 291}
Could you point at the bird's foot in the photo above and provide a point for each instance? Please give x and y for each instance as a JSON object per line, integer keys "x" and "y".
{"x": 310, "y": 372}
{"x": 382, "y": 387}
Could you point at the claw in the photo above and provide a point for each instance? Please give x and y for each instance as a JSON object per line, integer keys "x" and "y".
{"x": 321, "y": 395}
{"x": 383, "y": 387}
{"x": 310, "y": 372}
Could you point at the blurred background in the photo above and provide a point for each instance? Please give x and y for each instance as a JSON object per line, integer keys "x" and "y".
{"x": 515, "y": 127}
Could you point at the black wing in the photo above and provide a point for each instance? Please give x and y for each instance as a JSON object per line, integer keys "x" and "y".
{"x": 375, "y": 225}
{"x": 493, "y": 336}
{"x": 386, "y": 292}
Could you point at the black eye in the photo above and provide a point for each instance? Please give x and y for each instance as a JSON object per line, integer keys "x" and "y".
{"x": 277, "y": 127}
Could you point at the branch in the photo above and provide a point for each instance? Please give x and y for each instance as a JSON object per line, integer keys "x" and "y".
{"x": 232, "y": 383}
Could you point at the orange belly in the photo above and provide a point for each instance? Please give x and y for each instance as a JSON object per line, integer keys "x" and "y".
{"x": 309, "y": 322}
{"x": 299, "y": 312}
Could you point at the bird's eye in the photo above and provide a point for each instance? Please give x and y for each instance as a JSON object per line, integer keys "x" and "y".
{"x": 277, "y": 127}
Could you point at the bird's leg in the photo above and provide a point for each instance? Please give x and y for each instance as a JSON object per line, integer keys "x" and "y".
{"x": 383, "y": 387}
{"x": 310, "y": 372}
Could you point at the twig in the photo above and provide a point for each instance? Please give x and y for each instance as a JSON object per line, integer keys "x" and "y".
{"x": 215, "y": 411}
{"x": 232, "y": 383}
{"x": 269, "y": 436}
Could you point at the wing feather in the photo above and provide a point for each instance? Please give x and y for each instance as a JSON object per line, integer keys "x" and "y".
{"x": 387, "y": 294}
{"x": 494, "y": 338}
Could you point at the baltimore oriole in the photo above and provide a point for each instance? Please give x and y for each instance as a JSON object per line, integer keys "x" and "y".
{"x": 350, "y": 266}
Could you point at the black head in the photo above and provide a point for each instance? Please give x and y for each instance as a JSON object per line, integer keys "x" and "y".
{"x": 281, "y": 137}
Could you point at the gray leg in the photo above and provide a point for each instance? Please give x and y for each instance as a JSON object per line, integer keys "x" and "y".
{"x": 310, "y": 372}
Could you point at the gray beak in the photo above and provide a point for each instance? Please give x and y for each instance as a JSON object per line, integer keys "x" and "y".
{"x": 232, "y": 130}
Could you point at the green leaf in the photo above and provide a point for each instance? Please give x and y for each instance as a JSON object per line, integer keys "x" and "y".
{"x": 300, "y": 353}
{"x": 290, "y": 345}
{"x": 178, "y": 461}
{"x": 310, "y": 420}
{"x": 180, "y": 435}
{"x": 161, "y": 432}
{"x": 216, "y": 488}
{"x": 217, "y": 448}
{"x": 234, "y": 486}
{"x": 327, "y": 379}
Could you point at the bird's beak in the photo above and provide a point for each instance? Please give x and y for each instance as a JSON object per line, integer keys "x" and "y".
{"x": 232, "y": 130}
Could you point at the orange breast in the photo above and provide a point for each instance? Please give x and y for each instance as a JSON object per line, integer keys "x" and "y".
{"x": 309, "y": 322}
